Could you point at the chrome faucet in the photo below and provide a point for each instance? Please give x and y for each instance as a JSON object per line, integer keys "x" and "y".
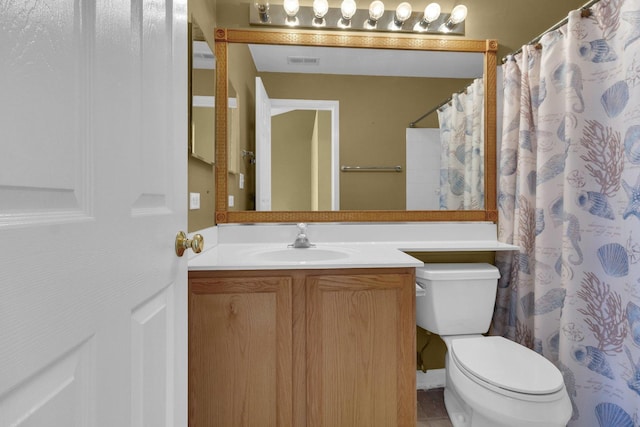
{"x": 302, "y": 241}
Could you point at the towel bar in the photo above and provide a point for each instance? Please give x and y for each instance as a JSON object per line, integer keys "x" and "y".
{"x": 371, "y": 168}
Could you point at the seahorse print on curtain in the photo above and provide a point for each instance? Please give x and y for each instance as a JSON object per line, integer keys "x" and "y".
{"x": 569, "y": 197}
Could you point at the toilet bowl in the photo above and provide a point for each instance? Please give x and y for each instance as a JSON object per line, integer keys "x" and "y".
{"x": 490, "y": 381}
{"x": 494, "y": 382}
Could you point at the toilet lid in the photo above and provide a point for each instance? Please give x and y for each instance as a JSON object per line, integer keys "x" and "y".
{"x": 507, "y": 365}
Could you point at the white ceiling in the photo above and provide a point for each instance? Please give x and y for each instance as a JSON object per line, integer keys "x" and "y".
{"x": 375, "y": 62}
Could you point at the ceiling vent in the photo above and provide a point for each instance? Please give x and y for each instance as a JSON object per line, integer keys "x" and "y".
{"x": 303, "y": 60}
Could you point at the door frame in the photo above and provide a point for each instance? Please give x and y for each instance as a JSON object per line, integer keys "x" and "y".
{"x": 280, "y": 106}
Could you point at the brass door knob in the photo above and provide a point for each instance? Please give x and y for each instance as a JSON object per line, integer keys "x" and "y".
{"x": 183, "y": 243}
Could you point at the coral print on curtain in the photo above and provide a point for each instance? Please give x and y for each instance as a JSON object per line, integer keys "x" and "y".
{"x": 462, "y": 149}
{"x": 570, "y": 199}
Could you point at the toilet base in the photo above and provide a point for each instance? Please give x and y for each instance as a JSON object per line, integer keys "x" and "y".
{"x": 458, "y": 415}
{"x": 462, "y": 415}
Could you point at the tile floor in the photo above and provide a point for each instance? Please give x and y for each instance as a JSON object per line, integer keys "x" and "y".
{"x": 431, "y": 410}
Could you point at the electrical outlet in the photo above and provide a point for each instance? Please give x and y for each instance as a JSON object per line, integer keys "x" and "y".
{"x": 194, "y": 201}
{"x": 231, "y": 201}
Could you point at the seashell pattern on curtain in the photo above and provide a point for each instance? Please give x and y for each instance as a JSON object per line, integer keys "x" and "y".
{"x": 462, "y": 150}
{"x": 569, "y": 197}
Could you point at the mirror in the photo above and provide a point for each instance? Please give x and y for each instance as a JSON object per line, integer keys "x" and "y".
{"x": 201, "y": 177}
{"x": 202, "y": 91}
{"x": 229, "y": 40}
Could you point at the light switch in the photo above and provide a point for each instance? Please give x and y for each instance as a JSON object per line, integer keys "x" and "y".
{"x": 241, "y": 181}
{"x": 194, "y": 201}
{"x": 231, "y": 201}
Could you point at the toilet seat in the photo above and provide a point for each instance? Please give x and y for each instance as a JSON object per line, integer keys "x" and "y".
{"x": 505, "y": 366}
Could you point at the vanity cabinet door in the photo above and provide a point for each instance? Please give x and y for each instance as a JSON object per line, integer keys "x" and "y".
{"x": 361, "y": 349}
{"x": 240, "y": 350}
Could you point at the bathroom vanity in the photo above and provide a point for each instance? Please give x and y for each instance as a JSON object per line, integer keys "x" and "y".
{"x": 302, "y": 347}
{"x": 323, "y": 336}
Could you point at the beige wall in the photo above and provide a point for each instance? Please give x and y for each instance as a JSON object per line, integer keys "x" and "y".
{"x": 374, "y": 115}
{"x": 291, "y": 137}
{"x": 301, "y": 160}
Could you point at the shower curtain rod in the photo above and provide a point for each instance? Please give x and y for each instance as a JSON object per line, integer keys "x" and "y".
{"x": 585, "y": 8}
{"x": 434, "y": 109}
{"x": 586, "y": 12}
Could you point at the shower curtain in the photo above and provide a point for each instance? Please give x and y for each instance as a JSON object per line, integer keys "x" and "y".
{"x": 462, "y": 153}
{"x": 569, "y": 197}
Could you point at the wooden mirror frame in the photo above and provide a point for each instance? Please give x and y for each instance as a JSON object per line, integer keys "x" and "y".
{"x": 355, "y": 40}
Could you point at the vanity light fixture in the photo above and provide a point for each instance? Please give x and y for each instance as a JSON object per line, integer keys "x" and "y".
{"x": 429, "y": 20}
{"x": 403, "y": 12}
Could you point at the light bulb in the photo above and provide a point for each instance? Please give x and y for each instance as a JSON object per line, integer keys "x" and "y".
{"x": 291, "y": 7}
{"x": 320, "y": 8}
{"x": 348, "y": 9}
{"x": 431, "y": 12}
{"x": 376, "y": 10}
{"x": 403, "y": 12}
{"x": 458, "y": 14}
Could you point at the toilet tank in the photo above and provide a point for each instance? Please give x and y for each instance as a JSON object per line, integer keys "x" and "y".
{"x": 459, "y": 298}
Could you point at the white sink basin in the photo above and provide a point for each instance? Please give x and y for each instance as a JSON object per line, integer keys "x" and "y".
{"x": 300, "y": 255}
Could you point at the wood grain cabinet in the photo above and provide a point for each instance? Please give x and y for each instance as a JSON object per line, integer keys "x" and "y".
{"x": 317, "y": 348}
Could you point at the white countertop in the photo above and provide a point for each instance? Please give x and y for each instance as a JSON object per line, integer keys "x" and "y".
{"x": 248, "y": 257}
{"x": 260, "y": 247}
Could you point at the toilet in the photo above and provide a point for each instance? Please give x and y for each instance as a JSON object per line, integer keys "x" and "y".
{"x": 490, "y": 381}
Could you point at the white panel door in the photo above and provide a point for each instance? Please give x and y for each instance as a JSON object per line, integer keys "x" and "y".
{"x": 263, "y": 148}
{"x": 92, "y": 193}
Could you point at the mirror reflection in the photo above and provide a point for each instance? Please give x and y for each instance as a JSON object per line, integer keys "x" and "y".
{"x": 202, "y": 135}
{"x": 303, "y": 141}
{"x": 201, "y": 180}
{"x": 376, "y": 162}
{"x": 368, "y": 159}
